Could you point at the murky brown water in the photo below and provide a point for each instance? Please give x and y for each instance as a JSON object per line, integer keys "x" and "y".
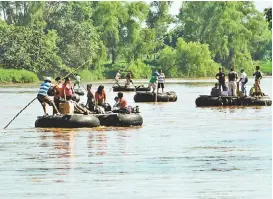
{"x": 180, "y": 152}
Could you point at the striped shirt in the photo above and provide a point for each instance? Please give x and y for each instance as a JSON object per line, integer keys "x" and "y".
{"x": 161, "y": 78}
{"x": 44, "y": 88}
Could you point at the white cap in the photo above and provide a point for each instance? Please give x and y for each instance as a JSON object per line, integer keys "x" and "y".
{"x": 47, "y": 79}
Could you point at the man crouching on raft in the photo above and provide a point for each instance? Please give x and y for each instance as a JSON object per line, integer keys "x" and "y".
{"x": 43, "y": 97}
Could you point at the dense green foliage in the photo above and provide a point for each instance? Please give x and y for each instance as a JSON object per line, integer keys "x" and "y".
{"x": 17, "y": 76}
{"x": 266, "y": 66}
{"x": 54, "y": 38}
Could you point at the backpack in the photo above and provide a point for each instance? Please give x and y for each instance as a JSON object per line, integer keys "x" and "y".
{"x": 246, "y": 80}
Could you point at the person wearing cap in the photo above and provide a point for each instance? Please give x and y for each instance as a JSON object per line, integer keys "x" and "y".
{"x": 153, "y": 81}
{"x": 232, "y": 86}
{"x": 67, "y": 89}
{"x": 118, "y": 76}
{"x": 221, "y": 78}
{"x": 43, "y": 97}
{"x": 243, "y": 80}
{"x": 58, "y": 92}
{"x": 78, "y": 80}
{"x": 215, "y": 91}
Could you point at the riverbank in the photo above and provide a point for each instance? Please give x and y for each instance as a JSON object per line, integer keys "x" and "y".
{"x": 136, "y": 81}
{"x": 17, "y": 76}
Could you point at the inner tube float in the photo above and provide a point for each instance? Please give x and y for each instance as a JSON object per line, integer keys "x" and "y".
{"x": 142, "y": 88}
{"x": 67, "y": 121}
{"x": 124, "y": 88}
{"x": 150, "y": 97}
{"x": 208, "y": 100}
{"x": 120, "y": 119}
{"x": 79, "y": 91}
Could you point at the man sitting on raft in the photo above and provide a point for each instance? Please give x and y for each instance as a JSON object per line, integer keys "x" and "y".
{"x": 215, "y": 91}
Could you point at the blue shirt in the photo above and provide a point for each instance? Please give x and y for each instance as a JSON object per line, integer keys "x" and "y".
{"x": 44, "y": 88}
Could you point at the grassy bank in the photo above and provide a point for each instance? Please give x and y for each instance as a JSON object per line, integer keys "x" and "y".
{"x": 17, "y": 76}
{"x": 266, "y": 67}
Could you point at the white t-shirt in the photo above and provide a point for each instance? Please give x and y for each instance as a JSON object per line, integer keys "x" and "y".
{"x": 224, "y": 93}
{"x": 118, "y": 75}
{"x": 161, "y": 78}
{"x": 243, "y": 76}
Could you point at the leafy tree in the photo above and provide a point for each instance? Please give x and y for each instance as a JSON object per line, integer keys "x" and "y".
{"x": 268, "y": 16}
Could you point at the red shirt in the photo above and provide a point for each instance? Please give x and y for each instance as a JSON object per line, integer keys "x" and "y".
{"x": 123, "y": 103}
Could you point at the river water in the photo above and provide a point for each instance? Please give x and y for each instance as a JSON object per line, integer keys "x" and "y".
{"x": 181, "y": 151}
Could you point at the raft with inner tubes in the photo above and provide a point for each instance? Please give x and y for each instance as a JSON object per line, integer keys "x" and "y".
{"x": 130, "y": 88}
{"x": 67, "y": 121}
{"x": 79, "y": 91}
{"x": 120, "y": 119}
{"x": 143, "y": 96}
{"x": 208, "y": 100}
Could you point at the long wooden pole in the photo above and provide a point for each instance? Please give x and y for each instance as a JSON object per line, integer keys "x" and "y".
{"x": 120, "y": 73}
{"x": 20, "y": 112}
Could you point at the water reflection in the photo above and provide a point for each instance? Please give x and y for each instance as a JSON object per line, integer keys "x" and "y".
{"x": 180, "y": 152}
{"x": 97, "y": 144}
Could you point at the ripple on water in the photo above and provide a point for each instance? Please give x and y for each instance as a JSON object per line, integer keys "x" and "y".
{"x": 180, "y": 152}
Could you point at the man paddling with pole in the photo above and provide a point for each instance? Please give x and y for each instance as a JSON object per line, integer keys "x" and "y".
{"x": 43, "y": 98}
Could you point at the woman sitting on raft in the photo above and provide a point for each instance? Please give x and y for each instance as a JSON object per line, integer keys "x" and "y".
{"x": 100, "y": 96}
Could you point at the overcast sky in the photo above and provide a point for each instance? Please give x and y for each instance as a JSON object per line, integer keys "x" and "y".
{"x": 260, "y": 5}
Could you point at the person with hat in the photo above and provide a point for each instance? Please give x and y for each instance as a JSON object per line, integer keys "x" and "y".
{"x": 221, "y": 78}
{"x": 42, "y": 95}
{"x": 243, "y": 80}
{"x": 68, "y": 89}
{"x": 232, "y": 86}
{"x": 215, "y": 91}
{"x": 153, "y": 81}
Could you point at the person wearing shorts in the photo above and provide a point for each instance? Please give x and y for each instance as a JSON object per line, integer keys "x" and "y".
{"x": 153, "y": 81}
{"x": 43, "y": 97}
{"x": 258, "y": 77}
{"x": 161, "y": 80}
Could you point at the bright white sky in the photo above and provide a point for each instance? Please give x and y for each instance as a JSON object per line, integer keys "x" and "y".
{"x": 260, "y": 5}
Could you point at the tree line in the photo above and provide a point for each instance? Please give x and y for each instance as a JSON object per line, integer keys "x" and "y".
{"x": 53, "y": 38}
